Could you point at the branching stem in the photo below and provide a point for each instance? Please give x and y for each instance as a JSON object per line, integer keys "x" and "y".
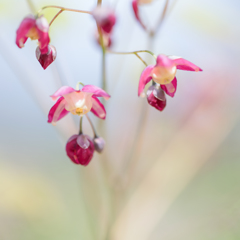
{"x": 63, "y": 9}
{"x": 135, "y": 53}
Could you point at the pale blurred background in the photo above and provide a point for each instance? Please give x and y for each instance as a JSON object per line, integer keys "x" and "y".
{"x": 187, "y": 166}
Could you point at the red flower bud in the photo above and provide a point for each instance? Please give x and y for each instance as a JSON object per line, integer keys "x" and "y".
{"x": 80, "y": 149}
{"x": 47, "y": 58}
{"x": 156, "y": 97}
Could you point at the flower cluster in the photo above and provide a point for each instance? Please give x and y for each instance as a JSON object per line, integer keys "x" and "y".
{"x": 80, "y": 147}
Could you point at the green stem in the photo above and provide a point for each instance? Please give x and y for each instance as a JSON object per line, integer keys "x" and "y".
{"x": 141, "y": 59}
{"x": 104, "y": 81}
{"x": 93, "y": 128}
{"x": 134, "y": 52}
{"x": 80, "y": 125}
{"x": 77, "y": 86}
{"x": 31, "y": 6}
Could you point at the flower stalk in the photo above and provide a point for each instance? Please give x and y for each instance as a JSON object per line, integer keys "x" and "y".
{"x": 63, "y": 9}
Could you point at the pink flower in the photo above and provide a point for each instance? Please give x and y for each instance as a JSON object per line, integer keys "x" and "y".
{"x": 156, "y": 97}
{"x": 34, "y": 28}
{"x": 47, "y": 58}
{"x": 77, "y": 102}
{"x": 164, "y": 73}
{"x": 105, "y": 18}
{"x": 80, "y": 149}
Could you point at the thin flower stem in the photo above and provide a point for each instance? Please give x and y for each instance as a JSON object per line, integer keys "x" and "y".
{"x": 141, "y": 59}
{"x": 80, "y": 127}
{"x": 162, "y": 17}
{"x": 134, "y": 52}
{"x": 104, "y": 81}
{"x": 77, "y": 86}
{"x": 31, "y": 6}
{"x": 93, "y": 128}
{"x": 56, "y": 16}
{"x": 64, "y": 9}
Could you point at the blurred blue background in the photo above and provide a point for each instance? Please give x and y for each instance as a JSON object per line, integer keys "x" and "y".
{"x": 186, "y": 182}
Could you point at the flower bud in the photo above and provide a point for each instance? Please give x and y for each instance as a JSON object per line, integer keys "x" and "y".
{"x": 99, "y": 144}
{"x": 46, "y": 59}
{"x": 80, "y": 149}
{"x": 105, "y": 18}
{"x": 156, "y": 97}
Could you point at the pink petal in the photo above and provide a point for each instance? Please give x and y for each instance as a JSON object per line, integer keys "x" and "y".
{"x": 109, "y": 23}
{"x": 58, "y": 111}
{"x": 77, "y": 154}
{"x": 43, "y": 41}
{"x": 170, "y": 88}
{"x": 98, "y": 109}
{"x": 46, "y": 59}
{"x": 97, "y": 92}
{"x": 105, "y": 18}
{"x": 42, "y": 28}
{"x": 155, "y": 102}
{"x": 83, "y": 141}
{"x": 164, "y": 61}
{"x": 62, "y": 91}
{"x": 145, "y": 78}
{"x": 26, "y": 24}
{"x": 183, "y": 64}
{"x": 136, "y": 13}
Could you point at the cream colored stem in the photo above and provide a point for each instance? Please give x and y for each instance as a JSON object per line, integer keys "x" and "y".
{"x": 64, "y": 9}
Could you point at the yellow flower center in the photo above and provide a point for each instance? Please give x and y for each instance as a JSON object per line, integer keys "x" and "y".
{"x": 33, "y": 33}
{"x": 79, "y": 111}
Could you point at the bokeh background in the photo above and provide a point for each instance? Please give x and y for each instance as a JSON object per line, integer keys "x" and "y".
{"x": 185, "y": 177}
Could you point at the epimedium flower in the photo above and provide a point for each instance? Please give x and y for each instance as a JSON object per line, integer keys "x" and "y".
{"x": 47, "y": 58}
{"x": 35, "y": 28}
{"x": 105, "y": 18}
{"x": 80, "y": 149}
{"x": 164, "y": 73}
{"x": 78, "y": 102}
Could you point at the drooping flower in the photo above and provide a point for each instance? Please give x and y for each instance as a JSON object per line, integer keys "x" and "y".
{"x": 99, "y": 144}
{"x": 47, "y": 58}
{"x": 78, "y": 102}
{"x": 35, "y": 29}
{"x": 164, "y": 73}
{"x": 105, "y": 18}
{"x": 80, "y": 149}
{"x": 156, "y": 97}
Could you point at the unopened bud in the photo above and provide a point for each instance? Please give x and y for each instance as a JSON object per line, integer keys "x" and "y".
{"x": 99, "y": 144}
{"x": 46, "y": 59}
